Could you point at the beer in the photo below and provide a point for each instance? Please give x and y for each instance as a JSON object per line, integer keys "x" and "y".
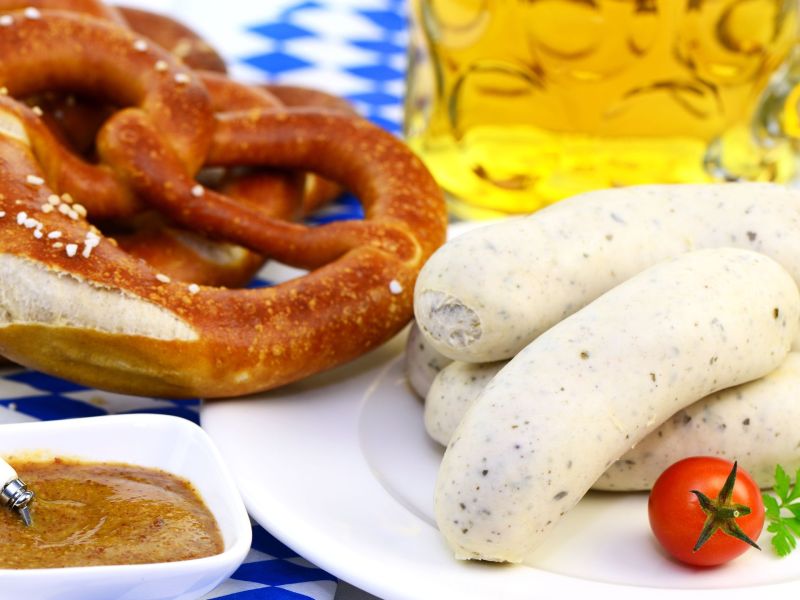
{"x": 514, "y": 104}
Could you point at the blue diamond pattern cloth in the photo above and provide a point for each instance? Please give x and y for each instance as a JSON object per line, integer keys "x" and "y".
{"x": 353, "y": 48}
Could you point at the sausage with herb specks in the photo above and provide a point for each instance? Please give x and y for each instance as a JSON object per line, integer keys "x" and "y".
{"x": 451, "y": 393}
{"x": 754, "y": 423}
{"x": 584, "y": 392}
{"x": 486, "y": 294}
{"x": 423, "y": 363}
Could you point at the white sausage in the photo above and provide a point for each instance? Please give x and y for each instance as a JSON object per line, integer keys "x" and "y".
{"x": 579, "y": 396}
{"x": 452, "y": 391}
{"x": 754, "y": 423}
{"x": 486, "y": 294}
{"x": 423, "y": 363}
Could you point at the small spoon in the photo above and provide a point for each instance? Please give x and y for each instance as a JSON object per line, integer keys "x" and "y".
{"x": 14, "y": 494}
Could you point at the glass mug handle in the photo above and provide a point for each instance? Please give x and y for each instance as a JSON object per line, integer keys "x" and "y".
{"x": 769, "y": 149}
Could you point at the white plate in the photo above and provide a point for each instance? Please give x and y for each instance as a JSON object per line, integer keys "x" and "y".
{"x": 340, "y": 469}
{"x": 157, "y": 441}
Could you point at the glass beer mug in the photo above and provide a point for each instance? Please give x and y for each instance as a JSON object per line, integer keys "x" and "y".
{"x": 514, "y": 104}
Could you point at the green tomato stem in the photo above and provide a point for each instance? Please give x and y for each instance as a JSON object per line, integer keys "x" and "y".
{"x": 721, "y": 514}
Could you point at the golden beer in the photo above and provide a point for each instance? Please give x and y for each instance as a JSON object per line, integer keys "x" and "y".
{"x": 514, "y": 104}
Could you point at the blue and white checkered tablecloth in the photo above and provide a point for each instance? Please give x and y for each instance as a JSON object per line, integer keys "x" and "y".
{"x": 353, "y": 48}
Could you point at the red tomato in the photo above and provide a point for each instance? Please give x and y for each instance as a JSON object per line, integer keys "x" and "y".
{"x": 677, "y": 517}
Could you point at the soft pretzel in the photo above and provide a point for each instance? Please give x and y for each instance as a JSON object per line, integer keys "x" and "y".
{"x": 187, "y": 256}
{"x": 76, "y": 123}
{"x": 179, "y": 253}
{"x": 75, "y": 305}
{"x": 95, "y": 186}
{"x": 79, "y": 120}
{"x": 92, "y": 8}
{"x": 175, "y": 101}
{"x": 54, "y": 50}
{"x": 170, "y": 98}
{"x": 175, "y": 37}
{"x": 318, "y": 190}
{"x": 184, "y": 255}
{"x": 88, "y": 311}
{"x": 289, "y": 139}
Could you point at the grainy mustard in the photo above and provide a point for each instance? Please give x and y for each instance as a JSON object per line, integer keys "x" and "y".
{"x": 106, "y": 514}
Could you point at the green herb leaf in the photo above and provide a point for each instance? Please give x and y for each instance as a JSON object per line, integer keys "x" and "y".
{"x": 782, "y": 541}
{"x": 796, "y": 490}
{"x": 795, "y": 509}
{"x": 782, "y": 483}
{"x": 771, "y": 507}
{"x": 794, "y": 525}
{"x": 785, "y": 529}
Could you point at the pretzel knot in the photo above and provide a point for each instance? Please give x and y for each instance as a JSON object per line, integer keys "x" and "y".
{"x": 67, "y": 51}
{"x": 76, "y": 305}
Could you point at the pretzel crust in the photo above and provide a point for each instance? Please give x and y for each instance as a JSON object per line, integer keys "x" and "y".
{"x": 176, "y": 37}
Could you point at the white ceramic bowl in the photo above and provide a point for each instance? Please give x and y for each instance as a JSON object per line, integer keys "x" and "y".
{"x": 168, "y": 443}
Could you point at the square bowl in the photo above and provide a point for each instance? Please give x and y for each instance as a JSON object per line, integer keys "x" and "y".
{"x": 168, "y": 443}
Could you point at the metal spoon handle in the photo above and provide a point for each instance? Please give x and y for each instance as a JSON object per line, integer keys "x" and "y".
{"x": 13, "y": 492}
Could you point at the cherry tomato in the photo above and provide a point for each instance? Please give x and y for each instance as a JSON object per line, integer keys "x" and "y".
{"x": 678, "y": 516}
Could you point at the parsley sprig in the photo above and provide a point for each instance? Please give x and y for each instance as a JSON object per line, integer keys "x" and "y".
{"x": 783, "y": 512}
